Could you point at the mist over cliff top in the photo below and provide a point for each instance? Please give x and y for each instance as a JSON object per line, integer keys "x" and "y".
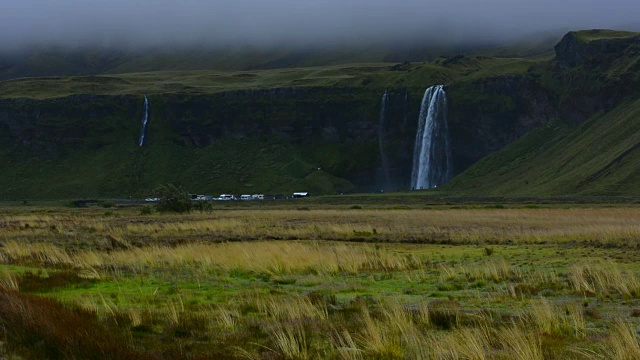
{"x": 132, "y": 24}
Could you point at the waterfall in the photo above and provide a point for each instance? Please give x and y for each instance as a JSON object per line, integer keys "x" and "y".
{"x": 432, "y": 163}
{"x": 145, "y": 120}
{"x": 381, "y": 127}
{"x": 405, "y": 109}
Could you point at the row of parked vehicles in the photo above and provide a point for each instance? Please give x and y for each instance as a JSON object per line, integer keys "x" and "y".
{"x": 228, "y": 197}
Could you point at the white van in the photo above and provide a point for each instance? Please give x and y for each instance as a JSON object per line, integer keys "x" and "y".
{"x": 258, "y": 196}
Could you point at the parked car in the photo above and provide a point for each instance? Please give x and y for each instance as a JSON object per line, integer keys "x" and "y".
{"x": 226, "y": 197}
{"x": 246, "y": 197}
{"x": 258, "y": 196}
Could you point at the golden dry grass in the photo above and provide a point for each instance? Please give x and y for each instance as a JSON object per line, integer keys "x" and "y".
{"x": 303, "y": 284}
{"x": 604, "y": 277}
{"x": 275, "y": 258}
{"x": 601, "y": 225}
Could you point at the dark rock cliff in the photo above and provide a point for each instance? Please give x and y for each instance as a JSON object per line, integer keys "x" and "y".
{"x": 593, "y": 72}
{"x": 586, "y": 49}
{"x": 336, "y": 128}
{"x": 486, "y": 115}
{"x": 51, "y": 127}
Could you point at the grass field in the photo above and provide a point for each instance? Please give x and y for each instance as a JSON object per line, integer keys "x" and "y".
{"x": 311, "y": 282}
{"x": 375, "y": 75}
{"x": 593, "y": 35}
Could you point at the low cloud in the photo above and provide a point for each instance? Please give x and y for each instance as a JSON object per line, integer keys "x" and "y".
{"x": 136, "y": 23}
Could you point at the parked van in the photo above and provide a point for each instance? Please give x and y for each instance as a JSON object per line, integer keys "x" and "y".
{"x": 258, "y": 196}
{"x": 246, "y": 197}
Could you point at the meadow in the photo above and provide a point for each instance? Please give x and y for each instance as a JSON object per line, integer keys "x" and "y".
{"x": 358, "y": 75}
{"x": 321, "y": 282}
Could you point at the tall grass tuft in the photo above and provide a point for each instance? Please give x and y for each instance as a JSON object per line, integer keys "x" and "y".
{"x": 346, "y": 346}
{"x": 291, "y": 341}
{"x": 553, "y": 320}
{"x": 8, "y": 281}
{"x": 623, "y": 342}
{"x": 378, "y": 339}
{"x": 602, "y": 278}
{"x": 521, "y": 344}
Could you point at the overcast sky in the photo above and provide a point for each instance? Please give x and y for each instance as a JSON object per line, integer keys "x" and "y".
{"x": 269, "y": 22}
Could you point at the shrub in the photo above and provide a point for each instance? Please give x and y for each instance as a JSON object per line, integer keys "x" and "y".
{"x": 203, "y": 207}
{"x": 172, "y": 199}
{"x": 107, "y": 204}
{"x": 146, "y": 210}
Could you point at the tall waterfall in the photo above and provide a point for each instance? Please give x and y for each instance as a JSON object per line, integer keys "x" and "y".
{"x": 145, "y": 120}
{"x": 432, "y": 163}
{"x": 381, "y": 137}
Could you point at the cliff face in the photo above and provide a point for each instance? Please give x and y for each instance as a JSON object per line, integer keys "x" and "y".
{"x": 298, "y": 115}
{"x": 334, "y": 129}
{"x": 595, "y": 70}
{"x": 570, "y": 51}
{"x": 51, "y": 128}
{"x": 595, "y": 49}
{"x": 488, "y": 114}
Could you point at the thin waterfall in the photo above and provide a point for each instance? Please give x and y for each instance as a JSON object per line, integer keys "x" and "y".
{"x": 405, "y": 109}
{"x": 381, "y": 137}
{"x": 145, "y": 120}
{"x": 432, "y": 162}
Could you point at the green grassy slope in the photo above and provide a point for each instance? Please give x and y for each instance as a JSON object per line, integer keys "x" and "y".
{"x": 599, "y": 157}
{"x": 377, "y": 75}
{"x": 597, "y": 34}
{"x": 123, "y": 169}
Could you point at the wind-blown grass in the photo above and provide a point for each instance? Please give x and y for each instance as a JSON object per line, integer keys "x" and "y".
{"x": 487, "y": 283}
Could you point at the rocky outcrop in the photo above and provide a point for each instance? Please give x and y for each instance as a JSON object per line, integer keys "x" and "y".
{"x": 569, "y": 51}
{"x": 587, "y": 49}
{"x": 594, "y": 71}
